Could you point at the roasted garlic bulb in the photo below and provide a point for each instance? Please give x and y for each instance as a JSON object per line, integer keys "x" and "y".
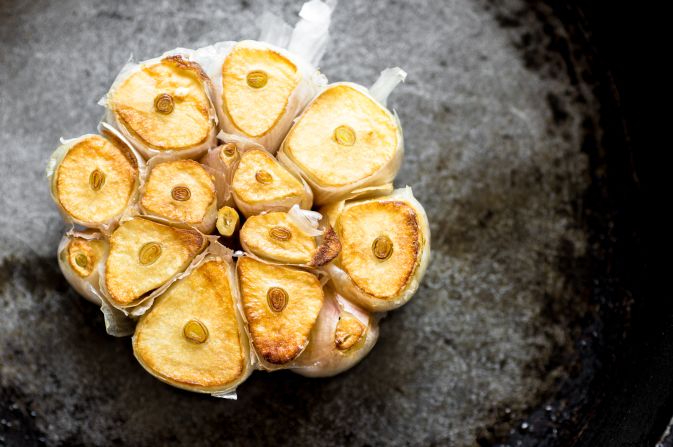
{"x": 346, "y": 139}
{"x": 280, "y": 237}
{"x": 260, "y": 184}
{"x": 262, "y": 86}
{"x": 385, "y": 249}
{"x": 183, "y": 192}
{"x": 281, "y": 305}
{"x": 193, "y": 337}
{"x": 145, "y": 255}
{"x": 163, "y": 106}
{"x": 94, "y": 178}
{"x": 81, "y": 257}
{"x": 342, "y": 336}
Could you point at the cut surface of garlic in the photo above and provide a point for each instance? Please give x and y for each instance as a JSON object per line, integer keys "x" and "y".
{"x": 144, "y": 255}
{"x": 281, "y": 305}
{"x": 80, "y": 257}
{"x": 163, "y": 105}
{"x": 181, "y": 191}
{"x": 192, "y": 338}
{"x": 260, "y": 183}
{"x": 95, "y": 179}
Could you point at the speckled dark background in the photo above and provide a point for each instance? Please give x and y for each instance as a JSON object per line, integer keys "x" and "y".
{"x": 496, "y": 112}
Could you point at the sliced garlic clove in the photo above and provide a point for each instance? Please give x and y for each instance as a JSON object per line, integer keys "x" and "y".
{"x": 181, "y": 191}
{"x": 276, "y": 237}
{"x": 193, "y": 337}
{"x": 343, "y": 335}
{"x": 144, "y": 255}
{"x": 164, "y": 107}
{"x": 227, "y": 221}
{"x": 281, "y": 305}
{"x": 80, "y": 257}
{"x": 345, "y": 140}
{"x": 385, "y": 249}
{"x": 260, "y": 184}
{"x": 94, "y": 179}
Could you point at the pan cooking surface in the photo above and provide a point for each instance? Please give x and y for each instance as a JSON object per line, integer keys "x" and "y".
{"x": 501, "y": 126}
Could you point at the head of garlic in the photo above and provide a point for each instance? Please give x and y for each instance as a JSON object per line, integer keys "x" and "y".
{"x": 385, "y": 249}
{"x": 346, "y": 139}
{"x": 80, "y": 257}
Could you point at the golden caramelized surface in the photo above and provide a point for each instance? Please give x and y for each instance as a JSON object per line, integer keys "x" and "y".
{"x": 95, "y": 180}
{"x": 380, "y": 242}
{"x": 260, "y": 179}
{"x": 191, "y": 335}
{"x": 278, "y": 336}
{"x": 174, "y": 122}
{"x": 83, "y": 255}
{"x": 274, "y": 236}
{"x": 342, "y": 137}
{"x": 349, "y": 330}
{"x": 256, "y": 86}
{"x": 144, "y": 255}
{"x": 180, "y": 190}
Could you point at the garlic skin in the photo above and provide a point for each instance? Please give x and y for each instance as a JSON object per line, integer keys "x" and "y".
{"x": 153, "y": 121}
{"x": 322, "y": 357}
{"x": 332, "y": 161}
{"x": 410, "y": 277}
{"x": 284, "y": 52}
{"x": 112, "y": 163}
{"x": 194, "y": 336}
{"x": 88, "y": 249}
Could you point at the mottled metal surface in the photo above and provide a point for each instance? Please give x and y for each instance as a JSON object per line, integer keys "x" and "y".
{"x": 494, "y": 121}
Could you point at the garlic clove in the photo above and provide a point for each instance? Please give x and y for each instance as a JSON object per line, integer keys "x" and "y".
{"x": 281, "y": 305}
{"x": 80, "y": 257}
{"x": 386, "y": 248}
{"x": 143, "y": 256}
{"x": 163, "y": 106}
{"x": 227, "y": 221}
{"x": 342, "y": 336}
{"x": 193, "y": 337}
{"x": 276, "y": 237}
{"x": 181, "y": 191}
{"x": 260, "y": 184}
{"x": 344, "y": 140}
{"x": 93, "y": 179}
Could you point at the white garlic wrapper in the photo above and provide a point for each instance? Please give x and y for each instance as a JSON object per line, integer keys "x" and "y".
{"x": 164, "y": 106}
{"x": 385, "y": 249}
{"x": 261, "y": 86}
{"x": 346, "y": 139}
{"x": 343, "y": 335}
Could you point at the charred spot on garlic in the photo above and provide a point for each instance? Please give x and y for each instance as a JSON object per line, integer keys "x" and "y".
{"x": 96, "y": 180}
{"x": 181, "y": 193}
{"x": 280, "y": 234}
{"x": 263, "y": 177}
{"x": 344, "y": 135}
{"x": 163, "y": 103}
{"x": 257, "y": 79}
{"x": 349, "y": 330}
{"x": 195, "y": 331}
{"x": 277, "y": 298}
{"x": 149, "y": 253}
{"x": 382, "y": 247}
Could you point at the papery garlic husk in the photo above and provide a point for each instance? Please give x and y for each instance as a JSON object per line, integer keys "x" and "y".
{"x": 182, "y": 192}
{"x": 80, "y": 257}
{"x": 262, "y": 86}
{"x": 343, "y": 335}
{"x": 385, "y": 249}
{"x": 281, "y": 305}
{"x": 194, "y": 336}
{"x": 164, "y": 106}
{"x": 95, "y": 178}
{"x": 260, "y": 184}
{"x": 346, "y": 139}
{"x": 145, "y": 255}
{"x": 278, "y": 237}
